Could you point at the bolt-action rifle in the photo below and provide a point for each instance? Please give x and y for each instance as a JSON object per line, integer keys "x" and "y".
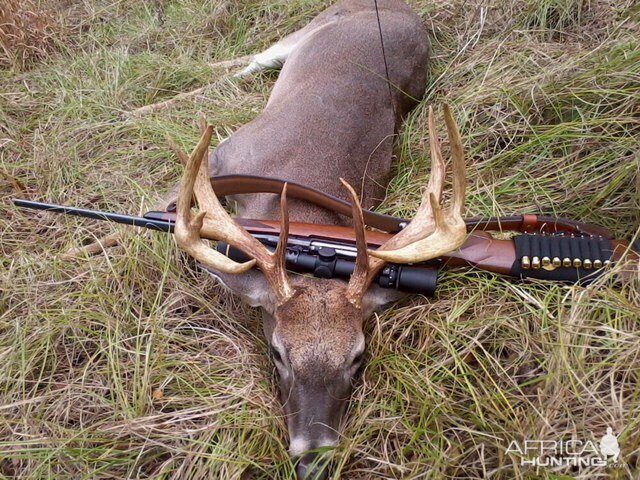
{"x": 540, "y": 247}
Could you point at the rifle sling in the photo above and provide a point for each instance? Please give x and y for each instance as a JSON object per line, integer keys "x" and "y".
{"x": 225, "y": 185}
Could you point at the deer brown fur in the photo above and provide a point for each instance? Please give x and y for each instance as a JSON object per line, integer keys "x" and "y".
{"x": 329, "y": 113}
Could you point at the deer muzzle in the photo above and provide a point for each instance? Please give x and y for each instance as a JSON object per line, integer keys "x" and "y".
{"x": 313, "y": 417}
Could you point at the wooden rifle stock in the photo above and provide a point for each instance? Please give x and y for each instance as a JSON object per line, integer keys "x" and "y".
{"x": 479, "y": 250}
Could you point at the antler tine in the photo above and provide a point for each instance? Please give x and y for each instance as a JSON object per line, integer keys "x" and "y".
{"x": 436, "y": 178}
{"x": 216, "y": 223}
{"x": 187, "y": 229}
{"x": 279, "y": 255}
{"x": 450, "y": 228}
{"x": 183, "y": 157}
{"x": 457, "y": 153}
{"x": 422, "y": 223}
{"x": 359, "y": 278}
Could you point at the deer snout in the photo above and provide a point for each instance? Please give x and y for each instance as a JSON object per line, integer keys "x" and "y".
{"x": 313, "y": 428}
{"x": 313, "y": 431}
{"x": 313, "y": 417}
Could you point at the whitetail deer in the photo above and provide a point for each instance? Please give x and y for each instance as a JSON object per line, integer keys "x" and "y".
{"x": 331, "y": 115}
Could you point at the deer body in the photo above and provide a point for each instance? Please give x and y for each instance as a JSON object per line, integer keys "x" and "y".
{"x": 330, "y": 115}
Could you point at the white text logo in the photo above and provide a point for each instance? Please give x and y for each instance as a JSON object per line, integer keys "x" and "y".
{"x": 573, "y": 453}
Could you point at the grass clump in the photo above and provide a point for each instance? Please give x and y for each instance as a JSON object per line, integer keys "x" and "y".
{"x": 133, "y": 364}
{"x": 27, "y": 33}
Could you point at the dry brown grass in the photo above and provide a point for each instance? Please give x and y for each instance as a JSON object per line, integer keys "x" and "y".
{"x": 27, "y": 33}
{"x": 135, "y": 365}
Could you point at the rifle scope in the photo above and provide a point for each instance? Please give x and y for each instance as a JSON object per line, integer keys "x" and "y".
{"x": 325, "y": 263}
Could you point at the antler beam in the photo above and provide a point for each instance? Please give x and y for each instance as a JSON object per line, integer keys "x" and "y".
{"x": 432, "y": 232}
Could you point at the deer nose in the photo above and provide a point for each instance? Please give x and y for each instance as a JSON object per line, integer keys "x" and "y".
{"x": 311, "y": 467}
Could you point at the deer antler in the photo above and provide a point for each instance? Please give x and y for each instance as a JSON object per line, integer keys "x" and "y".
{"x": 431, "y": 233}
{"x": 217, "y": 221}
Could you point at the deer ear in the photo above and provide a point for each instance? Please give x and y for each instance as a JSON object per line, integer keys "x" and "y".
{"x": 376, "y": 298}
{"x": 251, "y": 286}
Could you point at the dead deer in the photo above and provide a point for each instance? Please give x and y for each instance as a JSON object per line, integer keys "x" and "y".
{"x": 331, "y": 115}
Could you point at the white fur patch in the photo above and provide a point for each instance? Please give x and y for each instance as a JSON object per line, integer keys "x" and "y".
{"x": 272, "y": 57}
{"x": 298, "y": 446}
{"x": 328, "y": 442}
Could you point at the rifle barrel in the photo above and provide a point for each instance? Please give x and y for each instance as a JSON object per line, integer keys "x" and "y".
{"x": 160, "y": 225}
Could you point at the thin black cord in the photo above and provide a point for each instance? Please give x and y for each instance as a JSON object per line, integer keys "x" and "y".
{"x": 384, "y": 57}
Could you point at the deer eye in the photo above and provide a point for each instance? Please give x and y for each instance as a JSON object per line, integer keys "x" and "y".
{"x": 358, "y": 358}
{"x": 276, "y": 355}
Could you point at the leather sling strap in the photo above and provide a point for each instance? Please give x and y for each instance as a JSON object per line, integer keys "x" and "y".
{"x": 245, "y": 184}
{"x": 225, "y": 185}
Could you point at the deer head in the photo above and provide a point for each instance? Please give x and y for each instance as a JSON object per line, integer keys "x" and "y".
{"x": 314, "y": 327}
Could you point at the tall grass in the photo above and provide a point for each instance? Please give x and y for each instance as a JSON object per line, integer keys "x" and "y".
{"x": 133, "y": 364}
